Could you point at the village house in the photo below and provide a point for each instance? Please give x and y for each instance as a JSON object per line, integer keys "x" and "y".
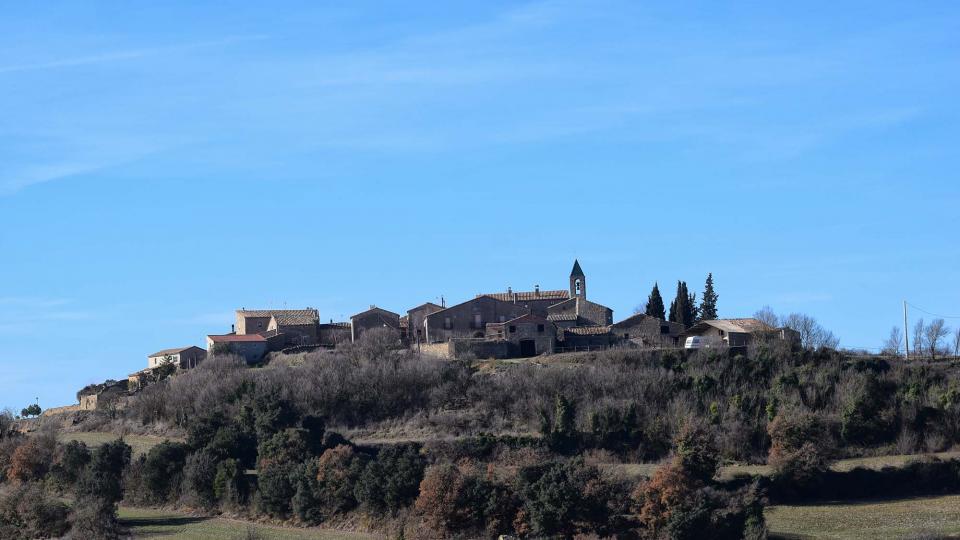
{"x": 646, "y": 331}
{"x": 373, "y": 318}
{"x": 415, "y": 318}
{"x": 296, "y": 326}
{"x": 737, "y": 332}
{"x": 333, "y": 333}
{"x": 183, "y": 357}
{"x": 528, "y": 335}
{"x": 251, "y": 347}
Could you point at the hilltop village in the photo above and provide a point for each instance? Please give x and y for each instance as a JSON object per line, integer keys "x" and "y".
{"x": 508, "y": 324}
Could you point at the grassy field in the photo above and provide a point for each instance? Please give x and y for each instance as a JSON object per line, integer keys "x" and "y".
{"x": 637, "y": 470}
{"x": 149, "y": 523}
{"x": 937, "y": 517}
{"x": 139, "y": 443}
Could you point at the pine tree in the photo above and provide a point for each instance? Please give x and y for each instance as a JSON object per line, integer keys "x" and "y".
{"x": 655, "y": 304}
{"x": 708, "y": 308}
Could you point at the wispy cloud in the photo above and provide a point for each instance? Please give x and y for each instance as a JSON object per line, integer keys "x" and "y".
{"x": 123, "y": 55}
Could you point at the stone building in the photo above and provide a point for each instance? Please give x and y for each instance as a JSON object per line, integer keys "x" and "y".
{"x": 469, "y": 319}
{"x": 183, "y": 357}
{"x": 416, "y": 331}
{"x": 738, "y": 332}
{"x": 333, "y": 333}
{"x": 528, "y": 335}
{"x": 373, "y": 318}
{"x": 294, "y": 321}
{"x": 646, "y": 331}
{"x": 251, "y": 347}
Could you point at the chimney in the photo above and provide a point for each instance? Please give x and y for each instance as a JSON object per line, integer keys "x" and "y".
{"x": 443, "y": 302}
{"x": 536, "y": 290}
{"x": 233, "y": 329}
{"x": 509, "y": 289}
{"x": 372, "y": 306}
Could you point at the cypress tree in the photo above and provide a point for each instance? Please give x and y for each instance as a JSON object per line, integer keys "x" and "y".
{"x": 708, "y": 308}
{"x": 683, "y": 309}
{"x": 655, "y": 304}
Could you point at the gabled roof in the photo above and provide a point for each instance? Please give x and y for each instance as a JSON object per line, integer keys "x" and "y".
{"x": 744, "y": 326}
{"x": 296, "y": 317}
{"x": 527, "y": 296}
{"x": 171, "y": 352}
{"x": 375, "y": 309}
{"x": 577, "y": 271}
{"x": 587, "y": 330}
{"x": 267, "y": 313}
{"x": 562, "y": 316}
{"x": 425, "y": 305}
{"x": 232, "y": 338}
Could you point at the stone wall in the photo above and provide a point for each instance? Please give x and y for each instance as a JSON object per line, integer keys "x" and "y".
{"x": 479, "y": 348}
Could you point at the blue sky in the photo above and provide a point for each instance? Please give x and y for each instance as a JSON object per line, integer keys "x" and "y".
{"x": 164, "y": 164}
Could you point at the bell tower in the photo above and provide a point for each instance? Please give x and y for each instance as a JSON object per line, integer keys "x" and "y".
{"x": 578, "y": 282}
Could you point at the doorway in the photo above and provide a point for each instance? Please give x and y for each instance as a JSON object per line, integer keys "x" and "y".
{"x": 528, "y": 347}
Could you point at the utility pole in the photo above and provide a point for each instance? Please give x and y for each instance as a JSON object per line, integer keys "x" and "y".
{"x": 906, "y": 338}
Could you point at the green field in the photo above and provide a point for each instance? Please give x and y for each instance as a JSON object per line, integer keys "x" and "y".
{"x": 149, "y": 523}
{"x": 139, "y": 443}
{"x": 936, "y": 517}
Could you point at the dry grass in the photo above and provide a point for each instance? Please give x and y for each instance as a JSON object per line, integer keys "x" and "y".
{"x": 149, "y": 523}
{"x": 139, "y": 443}
{"x": 638, "y": 470}
{"x": 928, "y": 517}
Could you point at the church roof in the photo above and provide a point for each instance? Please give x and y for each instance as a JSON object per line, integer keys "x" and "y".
{"x": 577, "y": 271}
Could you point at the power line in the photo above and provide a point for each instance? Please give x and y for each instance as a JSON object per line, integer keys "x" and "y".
{"x": 931, "y": 313}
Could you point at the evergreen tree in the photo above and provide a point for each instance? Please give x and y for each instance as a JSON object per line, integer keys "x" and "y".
{"x": 708, "y": 308}
{"x": 655, "y": 304}
{"x": 683, "y": 309}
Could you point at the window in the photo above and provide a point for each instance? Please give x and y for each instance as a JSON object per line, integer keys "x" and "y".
{"x": 578, "y": 287}
{"x": 664, "y": 328}
{"x": 540, "y": 328}
{"x": 626, "y": 336}
{"x": 513, "y": 329}
{"x": 477, "y": 320}
{"x": 502, "y": 318}
{"x": 446, "y": 323}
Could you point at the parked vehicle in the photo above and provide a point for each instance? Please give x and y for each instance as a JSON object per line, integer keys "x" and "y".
{"x": 700, "y": 342}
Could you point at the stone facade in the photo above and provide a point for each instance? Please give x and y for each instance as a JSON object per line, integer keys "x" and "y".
{"x": 469, "y": 319}
{"x": 332, "y": 334}
{"x": 373, "y": 318}
{"x": 416, "y": 331}
{"x": 581, "y": 311}
{"x": 528, "y": 335}
{"x": 646, "y": 331}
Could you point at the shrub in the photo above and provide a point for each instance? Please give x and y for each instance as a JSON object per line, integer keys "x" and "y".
{"x": 697, "y": 451}
{"x": 338, "y": 471}
{"x": 163, "y": 470}
{"x": 227, "y": 484}
{"x": 69, "y": 464}
{"x": 276, "y": 488}
{"x": 32, "y": 459}
{"x": 26, "y": 513}
{"x": 199, "y": 474}
{"x": 391, "y": 480}
{"x": 565, "y": 498}
{"x": 801, "y": 447}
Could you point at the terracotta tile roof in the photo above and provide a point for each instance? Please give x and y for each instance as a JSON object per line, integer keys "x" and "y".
{"x": 745, "y": 326}
{"x": 296, "y": 318}
{"x": 526, "y": 296}
{"x": 278, "y": 312}
{"x": 562, "y": 317}
{"x": 587, "y": 330}
{"x": 228, "y": 338}
{"x": 170, "y": 352}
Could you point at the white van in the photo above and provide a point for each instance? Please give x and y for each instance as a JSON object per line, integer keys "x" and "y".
{"x": 698, "y": 342}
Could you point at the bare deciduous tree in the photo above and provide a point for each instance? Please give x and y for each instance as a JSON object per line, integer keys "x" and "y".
{"x": 918, "y": 338}
{"x": 894, "y": 341}
{"x": 934, "y": 333}
{"x": 812, "y": 334}
{"x": 767, "y": 316}
{"x": 956, "y": 342}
